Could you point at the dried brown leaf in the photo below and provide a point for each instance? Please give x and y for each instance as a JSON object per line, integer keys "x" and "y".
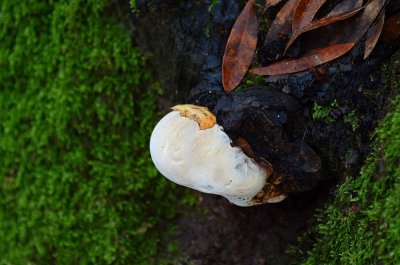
{"x": 304, "y": 14}
{"x": 345, "y": 7}
{"x": 240, "y": 47}
{"x": 269, "y": 3}
{"x": 371, "y": 11}
{"x": 350, "y": 30}
{"x": 373, "y": 35}
{"x": 391, "y": 29}
{"x": 340, "y": 12}
{"x": 311, "y": 59}
{"x": 328, "y": 43}
{"x": 331, "y": 19}
{"x": 282, "y": 25}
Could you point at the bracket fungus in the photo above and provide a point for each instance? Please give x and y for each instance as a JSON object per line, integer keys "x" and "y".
{"x": 189, "y": 148}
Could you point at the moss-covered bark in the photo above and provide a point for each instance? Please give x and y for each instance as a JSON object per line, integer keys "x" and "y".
{"x": 362, "y": 224}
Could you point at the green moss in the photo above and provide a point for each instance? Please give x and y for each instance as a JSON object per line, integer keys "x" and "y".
{"x": 212, "y": 5}
{"x": 362, "y": 224}
{"x": 250, "y": 80}
{"x": 352, "y": 119}
{"x": 323, "y": 112}
{"x": 77, "y": 184}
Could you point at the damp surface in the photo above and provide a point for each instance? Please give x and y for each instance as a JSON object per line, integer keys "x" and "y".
{"x": 341, "y": 104}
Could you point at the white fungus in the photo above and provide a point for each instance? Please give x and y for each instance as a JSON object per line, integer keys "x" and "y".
{"x": 203, "y": 159}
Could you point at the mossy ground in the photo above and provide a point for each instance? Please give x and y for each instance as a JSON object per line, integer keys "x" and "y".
{"x": 362, "y": 223}
{"x": 77, "y": 106}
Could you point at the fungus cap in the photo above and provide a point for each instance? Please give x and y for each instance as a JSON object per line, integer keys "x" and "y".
{"x": 203, "y": 158}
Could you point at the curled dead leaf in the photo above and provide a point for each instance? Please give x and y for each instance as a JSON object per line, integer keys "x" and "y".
{"x": 350, "y": 30}
{"x": 269, "y": 3}
{"x": 331, "y": 19}
{"x": 305, "y": 12}
{"x": 373, "y": 35}
{"x": 303, "y": 15}
{"x": 345, "y": 7}
{"x": 368, "y": 15}
{"x": 240, "y": 48}
{"x": 282, "y": 24}
{"x": 308, "y": 60}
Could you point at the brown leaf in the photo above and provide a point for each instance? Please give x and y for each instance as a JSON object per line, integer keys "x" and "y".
{"x": 304, "y": 14}
{"x": 325, "y": 44}
{"x": 368, "y": 16}
{"x": 350, "y": 30}
{"x": 240, "y": 47}
{"x": 329, "y": 19}
{"x": 311, "y": 59}
{"x": 391, "y": 29}
{"x": 345, "y": 6}
{"x": 340, "y": 12}
{"x": 282, "y": 25}
{"x": 373, "y": 35}
{"x": 269, "y": 3}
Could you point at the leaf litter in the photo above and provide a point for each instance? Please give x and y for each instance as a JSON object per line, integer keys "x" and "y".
{"x": 303, "y": 15}
{"x": 282, "y": 25}
{"x": 321, "y": 40}
{"x": 269, "y": 3}
{"x": 315, "y": 57}
{"x": 345, "y": 7}
{"x": 240, "y": 47}
{"x": 373, "y": 35}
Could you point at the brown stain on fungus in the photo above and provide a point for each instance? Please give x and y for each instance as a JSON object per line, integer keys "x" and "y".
{"x": 199, "y": 114}
{"x": 269, "y": 194}
{"x": 245, "y": 146}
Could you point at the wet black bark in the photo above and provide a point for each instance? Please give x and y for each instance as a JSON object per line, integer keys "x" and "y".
{"x": 274, "y": 125}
